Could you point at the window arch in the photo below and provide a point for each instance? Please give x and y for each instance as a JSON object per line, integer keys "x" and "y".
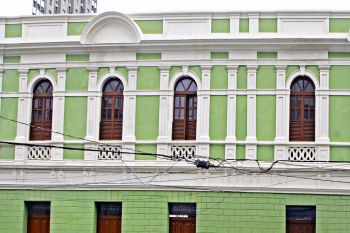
{"x": 302, "y": 110}
{"x": 41, "y": 111}
{"x": 111, "y": 125}
{"x": 185, "y": 109}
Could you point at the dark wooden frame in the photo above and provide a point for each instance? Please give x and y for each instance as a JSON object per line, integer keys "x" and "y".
{"x": 41, "y": 120}
{"x": 111, "y": 128}
{"x": 182, "y": 225}
{"x": 184, "y": 128}
{"x": 303, "y": 128}
{"x": 39, "y": 220}
{"x": 109, "y": 221}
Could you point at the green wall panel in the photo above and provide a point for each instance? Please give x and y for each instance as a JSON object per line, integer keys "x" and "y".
{"x": 52, "y": 72}
{"x": 147, "y": 148}
{"x": 12, "y": 59}
{"x": 75, "y": 114}
{"x": 173, "y": 71}
{"x": 9, "y": 108}
{"x": 73, "y": 154}
{"x": 267, "y": 55}
{"x": 77, "y": 79}
{"x": 77, "y": 57}
{"x": 340, "y": 154}
{"x": 220, "y": 25}
{"x": 219, "y": 77}
{"x": 265, "y": 118}
{"x": 290, "y": 70}
{"x": 217, "y": 151}
{"x": 242, "y": 77}
{"x": 150, "y": 26}
{"x": 315, "y": 70}
{"x": 123, "y": 71}
{"x": 240, "y": 152}
{"x": 244, "y": 25}
{"x": 265, "y": 153}
{"x": 339, "y": 77}
{"x": 267, "y": 25}
{"x": 197, "y": 70}
{"x": 266, "y": 77}
{"x": 147, "y": 117}
{"x": 339, "y": 25}
{"x": 241, "y": 118}
{"x": 102, "y": 71}
{"x": 10, "y": 81}
{"x": 148, "y": 56}
{"x": 13, "y": 30}
{"x": 148, "y": 78}
{"x": 75, "y": 28}
{"x": 32, "y": 73}
{"x": 7, "y": 152}
{"x": 339, "y": 115}
{"x": 218, "y": 117}
{"x": 219, "y": 55}
{"x": 338, "y": 54}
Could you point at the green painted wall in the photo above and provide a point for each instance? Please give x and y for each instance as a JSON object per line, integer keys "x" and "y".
{"x": 242, "y": 77}
{"x": 267, "y": 55}
{"x": 339, "y": 115}
{"x": 75, "y": 114}
{"x": 52, "y": 72}
{"x": 339, "y": 77}
{"x": 173, "y": 71}
{"x": 218, "y": 117}
{"x": 338, "y": 54}
{"x": 241, "y": 118}
{"x": 217, "y": 151}
{"x": 339, "y": 25}
{"x": 240, "y": 152}
{"x": 8, "y": 129}
{"x": 13, "y": 30}
{"x": 148, "y": 56}
{"x": 77, "y": 79}
{"x": 219, "y": 77}
{"x": 123, "y": 71}
{"x": 32, "y": 73}
{"x": 10, "y": 81}
{"x": 147, "y": 211}
{"x": 244, "y": 25}
{"x": 147, "y": 148}
{"x": 150, "y": 26}
{"x": 265, "y": 118}
{"x": 340, "y": 154}
{"x": 12, "y": 59}
{"x": 266, "y": 77}
{"x": 7, "y": 152}
{"x": 148, "y": 78}
{"x": 147, "y": 117}
{"x": 265, "y": 153}
{"x": 75, "y": 28}
{"x": 290, "y": 70}
{"x": 267, "y": 25}
{"x": 77, "y": 57}
{"x": 196, "y": 70}
{"x": 315, "y": 70}
{"x": 73, "y": 154}
{"x": 220, "y": 25}
{"x": 102, "y": 71}
{"x": 219, "y": 55}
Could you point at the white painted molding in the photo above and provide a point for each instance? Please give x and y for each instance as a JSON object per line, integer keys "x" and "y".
{"x": 232, "y": 77}
{"x": 301, "y": 72}
{"x": 112, "y": 73}
{"x": 234, "y": 24}
{"x": 253, "y": 23}
{"x": 165, "y": 100}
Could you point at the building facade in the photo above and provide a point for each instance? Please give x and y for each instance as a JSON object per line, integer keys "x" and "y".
{"x": 41, "y": 7}
{"x": 103, "y": 117}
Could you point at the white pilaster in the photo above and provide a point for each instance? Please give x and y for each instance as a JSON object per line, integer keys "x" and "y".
{"x": 164, "y": 110}
{"x": 1, "y": 76}
{"x": 253, "y": 23}
{"x": 234, "y": 24}
{"x": 251, "y": 148}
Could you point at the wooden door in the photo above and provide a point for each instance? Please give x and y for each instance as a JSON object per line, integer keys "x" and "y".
{"x": 182, "y": 225}
{"x": 109, "y": 224}
{"x": 38, "y": 223}
{"x": 301, "y": 226}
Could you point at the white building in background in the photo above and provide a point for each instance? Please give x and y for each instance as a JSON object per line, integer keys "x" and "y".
{"x": 41, "y": 7}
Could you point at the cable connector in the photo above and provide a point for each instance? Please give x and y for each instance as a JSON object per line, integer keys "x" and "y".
{"x": 202, "y": 164}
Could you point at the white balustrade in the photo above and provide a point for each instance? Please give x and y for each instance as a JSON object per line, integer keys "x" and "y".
{"x": 302, "y": 153}
{"x": 187, "y": 152}
{"x": 38, "y": 153}
{"x": 109, "y": 152}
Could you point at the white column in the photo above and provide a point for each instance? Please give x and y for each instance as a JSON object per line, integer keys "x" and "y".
{"x": 230, "y": 148}
{"x": 23, "y": 115}
{"x": 58, "y": 114}
{"x": 234, "y": 24}
{"x": 253, "y": 23}
{"x": 204, "y": 113}
{"x": 251, "y": 148}
{"x": 281, "y": 113}
{"x": 322, "y": 123}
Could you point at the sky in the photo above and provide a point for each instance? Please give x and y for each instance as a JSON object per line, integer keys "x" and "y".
{"x": 23, "y": 7}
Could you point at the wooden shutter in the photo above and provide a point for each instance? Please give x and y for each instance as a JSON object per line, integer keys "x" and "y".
{"x": 182, "y": 217}
{"x": 301, "y": 219}
{"x": 38, "y": 217}
{"x": 109, "y": 217}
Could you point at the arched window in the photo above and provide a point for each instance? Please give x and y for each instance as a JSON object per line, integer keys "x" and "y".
{"x": 302, "y": 110}
{"x": 185, "y": 110}
{"x": 41, "y": 111}
{"x": 111, "y": 125}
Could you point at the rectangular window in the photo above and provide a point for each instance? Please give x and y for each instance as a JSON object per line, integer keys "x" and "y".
{"x": 301, "y": 219}
{"x": 182, "y": 217}
{"x": 109, "y": 217}
{"x": 38, "y": 217}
